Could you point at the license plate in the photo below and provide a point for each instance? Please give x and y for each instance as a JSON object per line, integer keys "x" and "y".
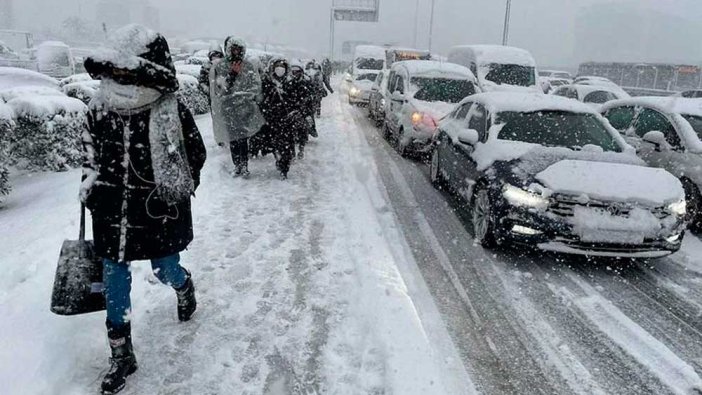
{"x": 611, "y": 236}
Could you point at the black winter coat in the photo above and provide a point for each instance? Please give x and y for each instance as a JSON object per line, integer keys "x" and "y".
{"x": 275, "y": 105}
{"x": 129, "y": 221}
{"x": 301, "y": 95}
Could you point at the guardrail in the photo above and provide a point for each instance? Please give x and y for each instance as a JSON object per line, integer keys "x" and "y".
{"x": 648, "y": 92}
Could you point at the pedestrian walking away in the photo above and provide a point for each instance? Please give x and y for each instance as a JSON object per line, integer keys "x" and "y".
{"x": 314, "y": 72}
{"x": 301, "y": 95}
{"x": 235, "y": 86}
{"x": 204, "y": 79}
{"x": 143, "y": 156}
{"x": 277, "y": 109}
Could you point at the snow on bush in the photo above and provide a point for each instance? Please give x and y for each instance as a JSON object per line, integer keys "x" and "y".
{"x": 47, "y": 133}
{"x": 191, "y": 95}
{"x": 83, "y": 77}
{"x": 5, "y": 134}
{"x": 83, "y": 90}
{"x": 9, "y": 94}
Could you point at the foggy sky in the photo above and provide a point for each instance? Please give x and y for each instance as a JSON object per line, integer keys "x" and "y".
{"x": 545, "y": 27}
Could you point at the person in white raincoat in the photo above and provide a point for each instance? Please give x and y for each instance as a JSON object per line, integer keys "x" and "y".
{"x": 235, "y": 88}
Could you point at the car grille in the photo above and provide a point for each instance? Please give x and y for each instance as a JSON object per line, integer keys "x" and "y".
{"x": 564, "y": 206}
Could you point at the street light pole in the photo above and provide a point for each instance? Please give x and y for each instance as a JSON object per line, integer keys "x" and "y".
{"x": 416, "y": 23}
{"x": 431, "y": 24}
{"x": 331, "y": 34}
{"x": 505, "y": 32}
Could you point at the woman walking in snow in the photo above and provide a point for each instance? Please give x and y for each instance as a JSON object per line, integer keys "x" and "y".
{"x": 143, "y": 156}
{"x": 235, "y": 86}
{"x": 301, "y": 96}
{"x": 277, "y": 110}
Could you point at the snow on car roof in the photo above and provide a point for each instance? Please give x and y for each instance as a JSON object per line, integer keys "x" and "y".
{"x": 669, "y": 105}
{"x": 527, "y": 102}
{"x": 369, "y": 51}
{"x": 435, "y": 69}
{"x": 584, "y": 90}
{"x": 42, "y": 106}
{"x": 487, "y": 54}
{"x": 11, "y": 77}
{"x": 53, "y": 44}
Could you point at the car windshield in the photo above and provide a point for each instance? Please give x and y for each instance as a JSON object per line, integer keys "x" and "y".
{"x": 556, "y": 129}
{"x": 511, "y": 74}
{"x": 369, "y": 64}
{"x": 696, "y": 123}
{"x": 442, "y": 89}
{"x": 561, "y": 75}
{"x": 366, "y": 77}
{"x": 600, "y": 97}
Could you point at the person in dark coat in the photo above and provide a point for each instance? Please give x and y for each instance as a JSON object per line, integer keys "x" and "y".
{"x": 314, "y": 72}
{"x": 143, "y": 156}
{"x": 301, "y": 96}
{"x": 277, "y": 110}
{"x": 327, "y": 70}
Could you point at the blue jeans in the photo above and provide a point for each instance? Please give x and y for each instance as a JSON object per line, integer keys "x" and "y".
{"x": 117, "y": 278}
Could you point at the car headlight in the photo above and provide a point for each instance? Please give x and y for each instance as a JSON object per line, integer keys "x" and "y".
{"x": 354, "y": 91}
{"x": 426, "y": 120}
{"x": 519, "y": 197}
{"x": 382, "y": 102}
{"x": 678, "y": 208}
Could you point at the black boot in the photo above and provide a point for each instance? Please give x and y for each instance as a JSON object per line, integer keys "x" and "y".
{"x": 123, "y": 362}
{"x": 186, "y": 299}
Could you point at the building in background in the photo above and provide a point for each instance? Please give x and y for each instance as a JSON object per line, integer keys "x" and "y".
{"x": 117, "y": 13}
{"x": 635, "y": 31}
{"x": 7, "y": 15}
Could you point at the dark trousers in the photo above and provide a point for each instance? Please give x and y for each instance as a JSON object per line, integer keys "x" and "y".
{"x": 284, "y": 142}
{"x": 240, "y": 152}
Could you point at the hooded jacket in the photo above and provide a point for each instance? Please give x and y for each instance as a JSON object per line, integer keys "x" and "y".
{"x": 235, "y": 97}
{"x": 130, "y": 219}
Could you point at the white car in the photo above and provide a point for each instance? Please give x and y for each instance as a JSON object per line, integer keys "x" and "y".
{"x": 360, "y": 87}
{"x": 667, "y": 133}
{"x": 498, "y": 68}
{"x": 421, "y": 92}
{"x": 600, "y": 81}
{"x": 561, "y": 75}
{"x": 592, "y": 95}
{"x": 549, "y": 172}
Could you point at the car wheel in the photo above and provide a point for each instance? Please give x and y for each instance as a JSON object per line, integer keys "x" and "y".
{"x": 694, "y": 206}
{"x": 435, "y": 170}
{"x": 387, "y": 135}
{"x": 483, "y": 219}
{"x": 401, "y": 148}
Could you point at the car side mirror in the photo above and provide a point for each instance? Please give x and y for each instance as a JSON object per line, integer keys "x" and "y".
{"x": 468, "y": 136}
{"x": 658, "y": 139}
{"x": 374, "y": 88}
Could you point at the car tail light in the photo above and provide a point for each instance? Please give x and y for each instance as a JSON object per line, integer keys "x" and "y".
{"x": 425, "y": 120}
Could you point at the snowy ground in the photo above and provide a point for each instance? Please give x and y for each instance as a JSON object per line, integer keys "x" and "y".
{"x": 298, "y": 286}
{"x": 353, "y": 277}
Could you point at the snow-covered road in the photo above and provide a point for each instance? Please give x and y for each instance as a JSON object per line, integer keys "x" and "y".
{"x": 355, "y": 276}
{"x": 526, "y": 322}
{"x": 298, "y": 283}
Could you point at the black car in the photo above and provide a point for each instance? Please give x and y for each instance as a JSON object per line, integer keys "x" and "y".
{"x": 549, "y": 172}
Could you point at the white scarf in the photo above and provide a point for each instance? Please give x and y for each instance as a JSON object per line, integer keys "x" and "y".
{"x": 172, "y": 177}
{"x": 126, "y": 97}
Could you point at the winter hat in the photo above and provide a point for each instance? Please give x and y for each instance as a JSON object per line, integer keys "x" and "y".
{"x": 296, "y": 64}
{"x": 232, "y": 41}
{"x": 277, "y": 59}
{"x": 135, "y": 55}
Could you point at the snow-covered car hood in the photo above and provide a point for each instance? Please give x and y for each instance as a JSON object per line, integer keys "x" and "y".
{"x": 364, "y": 85}
{"x": 612, "y": 182}
{"x": 436, "y": 109}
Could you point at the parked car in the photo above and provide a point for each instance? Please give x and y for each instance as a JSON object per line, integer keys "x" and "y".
{"x": 398, "y": 54}
{"x": 691, "y": 94}
{"x": 360, "y": 87}
{"x": 55, "y": 59}
{"x": 497, "y": 67}
{"x": 593, "y": 95}
{"x": 562, "y": 75}
{"x": 549, "y": 172}
{"x": 368, "y": 57}
{"x": 421, "y": 93}
{"x": 548, "y": 85}
{"x": 666, "y": 132}
{"x": 378, "y": 98}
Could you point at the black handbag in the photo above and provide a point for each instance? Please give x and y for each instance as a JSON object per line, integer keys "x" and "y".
{"x": 78, "y": 287}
